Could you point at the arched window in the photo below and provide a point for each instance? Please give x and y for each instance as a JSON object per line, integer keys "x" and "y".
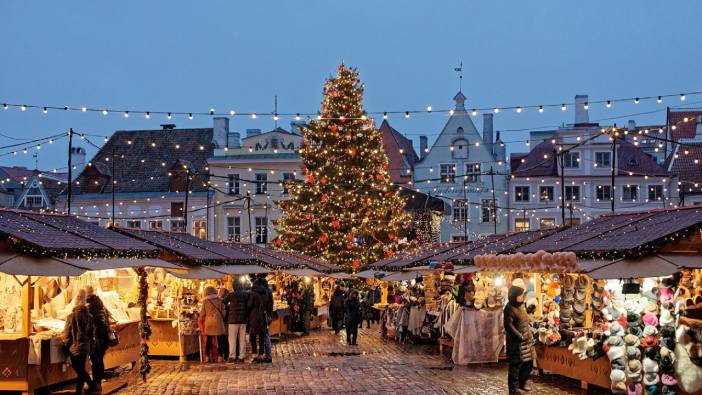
{"x": 459, "y": 130}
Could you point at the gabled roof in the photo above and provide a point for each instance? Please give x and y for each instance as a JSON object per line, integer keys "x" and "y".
{"x": 154, "y": 148}
{"x": 533, "y": 164}
{"x": 683, "y": 130}
{"x": 393, "y": 143}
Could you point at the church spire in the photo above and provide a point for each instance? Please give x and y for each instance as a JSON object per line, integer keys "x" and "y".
{"x": 460, "y": 100}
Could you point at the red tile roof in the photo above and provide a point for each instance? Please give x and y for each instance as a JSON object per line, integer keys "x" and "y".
{"x": 393, "y": 142}
{"x": 684, "y": 165}
{"x": 683, "y": 130}
{"x": 533, "y": 164}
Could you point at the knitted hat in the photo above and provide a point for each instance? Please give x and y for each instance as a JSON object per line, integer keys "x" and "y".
{"x": 631, "y": 340}
{"x": 615, "y": 329}
{"x": 653, "y": 389}
{"x": 618, "y": 364}
{"x": 633, "y": 353}
{"x": 633, "y": 318}
{"x": 650, "y": 341}
{"x": 650, "y": 319}
{"x": 667, "y": 359}
{"x": 670, "y": 390}
{"x": 615, "y": 352}
{"x": 651, "y": 378}
{"x": 652, "y": 353}
{"x": 666, "y": 318}
{"x": 635, "y": 330}
{"x": 650, "y": 366}
{"x": 665, "y": 295}
{"x": 650, "y": 330}
{"x": 633, "y": 370}
{"x": 634, "y": 389}
{"x": 668, "y": 379}
{"x": 618, "y": 379}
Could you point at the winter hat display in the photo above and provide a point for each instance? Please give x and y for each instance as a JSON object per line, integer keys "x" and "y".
{"x": 633, "y": 371}
{"x": 650, "y": 330}
{"x": 650, "y": 319}
{"x": 666, "y": 318}
{"x": 689, "y": 375}
{"x": 653, "y": 389}
{"x": 579, "y": 305}
{"x": 567, "y": 300}
{"x": 634, "y": 388}
{"x": 632, "y": 340}
{"x": 650, "y": 366}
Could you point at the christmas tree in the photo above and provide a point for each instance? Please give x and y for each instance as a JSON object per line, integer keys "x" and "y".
{"x": 346, "y": 210}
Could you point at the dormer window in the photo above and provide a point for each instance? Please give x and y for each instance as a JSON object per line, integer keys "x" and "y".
{"x": 633, "y": 162}
{"x": 459, "y": 130}
{"x": 274, "y": 143}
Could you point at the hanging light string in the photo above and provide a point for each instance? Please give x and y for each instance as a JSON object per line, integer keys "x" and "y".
{"x": 299, "y": 115}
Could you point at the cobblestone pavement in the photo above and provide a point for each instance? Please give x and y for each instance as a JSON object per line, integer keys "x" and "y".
{"x": 323, "y": 364}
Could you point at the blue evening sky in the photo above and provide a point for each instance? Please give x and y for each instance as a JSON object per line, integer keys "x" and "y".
{"x": 191, "y": 56}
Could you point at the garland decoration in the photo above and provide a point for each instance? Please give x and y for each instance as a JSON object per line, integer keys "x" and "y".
{"x": 144, "y": 327}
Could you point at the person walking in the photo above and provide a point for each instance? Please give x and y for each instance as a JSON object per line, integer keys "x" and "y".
{"x": 260, "y": 313}
{"x": 101, "y": 322}
{"x": 336, "y": 309}
{"x": 223, "y": 340}
{"x": 78, "y": 338}
{"x": 353, "y": 317}
{"x": 237, "y": 304}
{"x": 212, "y": 315}
{"x": 519, "y": 341}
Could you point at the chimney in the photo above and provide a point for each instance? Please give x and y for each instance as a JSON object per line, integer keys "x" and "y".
{"x": 220, "y": 131}
{"x": 581, "y": 113}
{"x": 234, "y": 140}
{"x": 487, "y": 131}
{"x": 77, "y": 160}
{"x": 423, "y": 146}
{"x": 499, "y": 149}
{"x": 168, "y": 126}
{"x": 698, "y": 128}
{"x": 252, "y": 132}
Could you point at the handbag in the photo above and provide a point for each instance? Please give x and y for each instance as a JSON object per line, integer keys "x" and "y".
{"x": 112, "y": 337}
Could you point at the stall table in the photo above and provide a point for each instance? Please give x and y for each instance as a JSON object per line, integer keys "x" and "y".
{"x": 280, "y": 322}
{"x": 559, "y": 360}
{"x": 165, "y": 341}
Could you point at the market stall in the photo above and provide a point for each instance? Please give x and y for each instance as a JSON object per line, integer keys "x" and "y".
{"x": 45, "y": 259}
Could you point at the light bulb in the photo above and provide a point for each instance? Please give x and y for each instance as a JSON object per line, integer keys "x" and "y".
{"x": 407, "y": 114}
{"x": 586, "y": 106}
{"x": 682, "y": 97}
{"x": 83, "y": 109}
{"x": 46, "y": 110}
{"x": 541, "y": 108}
{"x": 519, "y": 109}
{"x": 636, "y": 100}
{"x": 253, "y": 115}
{"x": 212, "y": 111}
{"x": 496, "y": 110}
{"x": 24, "y": 108}
{"x": 563, "y": 107}
{"x": 169, "y": 116}
{"x": 474, "y": 112}
{"x": 147, "y": 115}
{"x": 104, "y": 112}
{"x": 190, "y": 115}
{"x": 428, "y": 108}
{"x": 5, "y": 106}
{"x": 126, "y": 114}
{"x": 297, "y": 116}
{"x": 660, "y": 99}
{"x": 609, "y": 104}
{"x": 385, "y": 115}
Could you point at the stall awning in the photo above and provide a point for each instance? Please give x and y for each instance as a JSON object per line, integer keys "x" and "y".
{"x": 197, "y": 273}
{"x": 239, "y": 269}
{"x": 25, "y": 265}
{"x": 376, "y": 274}
{"x": 302, "y": 272}
{"x": 120, "y": 263}
{"x": 405, "y": 275}
{"x": 340, "y": 276}
{"x": 466, "y": 270}
{"x": 650, "y": 266}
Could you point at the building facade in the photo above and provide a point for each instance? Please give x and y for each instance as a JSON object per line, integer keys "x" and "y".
{"x": 469, "y": 172}
{"x": 150, "y": 179}
{"x": 567, "y": 177}
{"x": 249, "y": 177}
{"x": 685, "y": 159}
{"x": 27, "y": 189}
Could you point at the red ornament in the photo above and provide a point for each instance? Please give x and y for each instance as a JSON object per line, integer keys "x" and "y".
{"x": 335, "y": 224}
{"x": 292, "y": 239}
{"x": 378, "y": 177}
{"x": 323, "y": 180}
{"x": 349, "y": 246}
{"x": 324, "y": 198}
{"x": 389, "y": 253}
{"x": 355, "y": 264}
{"x": 323, "y": 238}
{"x": 391, "y": 237}
{"x": 277, "y": 242}
{"x": 310, "y": 178}
{"x": 352, "y": 151}
{"x": 333, "y": 128}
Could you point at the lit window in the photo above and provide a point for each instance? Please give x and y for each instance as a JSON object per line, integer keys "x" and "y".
{"x": 447, "y": 172}
{"x": 521, "y": 194}
{"x": 521, "y": 225}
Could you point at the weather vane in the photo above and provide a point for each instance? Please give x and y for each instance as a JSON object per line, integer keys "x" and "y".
{"x": 459, "y": 70}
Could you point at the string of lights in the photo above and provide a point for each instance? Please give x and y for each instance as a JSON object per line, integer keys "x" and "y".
{"x": 608, "y": 103}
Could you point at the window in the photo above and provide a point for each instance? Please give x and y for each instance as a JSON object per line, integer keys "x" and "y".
{"x": 603, "y": 159}
{"x": 233, "y": 184}
{"x": 604, "y": 193}
{"x": 459, "y": 210}
{"x": 630, "y": 193}
{"x": 572, "y": 193}
{"x": 521, "y": 194}
{"x": 572, "y": 221}
{"x": 200, "y": 229}
{"x": 178, "y": 225}
{"x": 545, "y": 223}
{"x": 459, "y": 130}
{"x": 655, "y": 192}
{"x": 571, "y": 160}
{"x": 546, "y": 194}
{"x": 261, "y": 183}
{"x": 33, "y": 201}
{"x": 521, "y": 224}
{"x": 177, "y": 210}
{"x": 234, "y": 229}
{"x": 261, "y": 230}
{"x": 487, "y": 210}
{"x": 156, "y": 225}
{"x": 459, "y": 149}
{"x": 458, "y": 239}
{"x": 472, "y": 172}
{"x": 134, "y": 224}
{"x": 287, "y": 179}
{"x": 115, "y": 224}
{"x": 447, "y": 172}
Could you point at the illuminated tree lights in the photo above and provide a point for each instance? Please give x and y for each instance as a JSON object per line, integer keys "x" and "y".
{"x": 346, "y": 209}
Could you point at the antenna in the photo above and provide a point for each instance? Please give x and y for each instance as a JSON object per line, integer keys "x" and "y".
{"x": 459, "y": 70}
{"x": 275, "y": 112}
{"x": 36, "y": 161}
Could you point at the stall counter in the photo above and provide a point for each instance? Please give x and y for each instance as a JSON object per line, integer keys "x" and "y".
{"x": 165, "y": 341}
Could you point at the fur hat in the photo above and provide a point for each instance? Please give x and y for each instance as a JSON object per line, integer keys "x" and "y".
{"x": 631, "y": 340}
{"x": 667, "y": 360}
{"x": 616, "y": 352}
{"x": 652, "y": 353}
{"x": 654, "y": 389}
{"x": 635, "y": 330}
{"x": 669, "y": 379}
{"x": 633, "y": 370}
{"x": 650, "y": 341}
{"x": 666, "y": 318}
{"x": 650, "y": 319}
{"x": 618, "y": 379}
{"x": 650, "y": 330}
{"x": 633, "y": 319}
{"x": 689, "y": 375}
{"x": 615, "y": 329}
{"x": 670, "y": 390}
{"x": 634, "y": 388}
{"x": 651, "y": 378}
{"x": 633, "y": 353}
{"x": 650, "y": 366}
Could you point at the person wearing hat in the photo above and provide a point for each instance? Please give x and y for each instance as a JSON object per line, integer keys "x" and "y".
{"x": 519, "y": 341}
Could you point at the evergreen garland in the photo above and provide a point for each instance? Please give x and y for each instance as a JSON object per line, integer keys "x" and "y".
{"x": 144, "y": 327}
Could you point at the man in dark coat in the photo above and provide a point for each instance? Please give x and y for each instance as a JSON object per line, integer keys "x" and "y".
{"x": 101, "y": 322}
{"x": 237, "y": 304}
{"x": 336, "y": 309}
{"x": 519, "y": 341}
{"x": 78, "y": 338}
{"x": 352, "y": 317}
{"x": 260, "y": 314}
